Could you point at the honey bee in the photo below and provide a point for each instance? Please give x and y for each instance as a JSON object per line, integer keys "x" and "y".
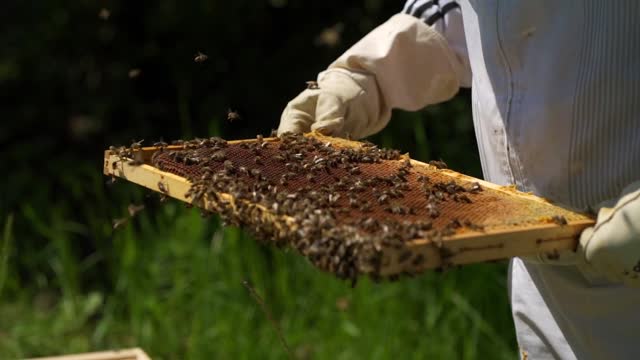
{"x": 256, "y": 173}
{"x": 451, "y": 188}
{"x": 104, "y": 14}
{"x": 553, "y": 255}
{"x": 455, "y": 224}
{"x": 398, "y": 210}
{"x": 438, "y": 164}
{"x": 475, "y": 188}
{"x": 112, "y": 180}
{"x": 137, "y": 145}
{"x": 228, "y": 166}
{"x": 395, "y": 193}
{"x": 118, "y": 223}
{"x": 365, "y": 207}
{"x": 219, "y": 156}
{"x": 462, "y": 198}
{"x": 559, "y": 219}
{"x": 233, "y": 115}
{"x": 432, "y": 210}
{"x": 163, "y": 189}
{"x": 133, "y": 73}
{"x": 200, "y": 57}
{"x": 135, "y": 209}
{"x": 137, "y": 159}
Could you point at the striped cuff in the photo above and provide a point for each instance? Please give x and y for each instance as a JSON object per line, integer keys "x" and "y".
{"x": 429, "y": 11}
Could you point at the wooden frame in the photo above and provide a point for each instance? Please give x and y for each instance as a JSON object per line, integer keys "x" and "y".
{"x": 125, "y": 354}
{"x": 469, "y": 247}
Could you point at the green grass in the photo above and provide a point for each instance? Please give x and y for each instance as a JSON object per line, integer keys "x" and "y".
{"x": 172, "y": 283}
{"x": 178, "y": 293}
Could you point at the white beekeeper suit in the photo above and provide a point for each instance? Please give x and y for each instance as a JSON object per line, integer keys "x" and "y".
{"x": 556, "y": 107}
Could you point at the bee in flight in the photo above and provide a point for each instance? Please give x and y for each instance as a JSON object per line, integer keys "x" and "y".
{"x": 200, "y": 57}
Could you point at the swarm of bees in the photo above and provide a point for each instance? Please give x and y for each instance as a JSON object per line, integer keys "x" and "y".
{"x": 345, "y": 203}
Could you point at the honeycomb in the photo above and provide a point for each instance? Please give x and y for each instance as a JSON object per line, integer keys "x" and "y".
{"x": 347, "y": 199}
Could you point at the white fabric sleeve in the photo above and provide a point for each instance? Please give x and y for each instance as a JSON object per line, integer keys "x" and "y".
{"x": 445, "y": 17}
{"x": 412, "y": 63}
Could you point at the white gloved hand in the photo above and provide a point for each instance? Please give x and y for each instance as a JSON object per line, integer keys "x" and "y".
{"x": 402, "y": 64}
{"x": 612, "y": 246}
{"x": 344, "y": 104}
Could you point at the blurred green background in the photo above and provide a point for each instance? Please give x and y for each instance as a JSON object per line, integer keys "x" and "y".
{"x": 78, "y": 76}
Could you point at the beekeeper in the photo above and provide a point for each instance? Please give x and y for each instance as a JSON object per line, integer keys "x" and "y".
{"x": 556, "y": 107}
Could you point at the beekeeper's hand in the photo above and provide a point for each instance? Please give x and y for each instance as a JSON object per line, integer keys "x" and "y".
{"x": 612, "y": 246}
{"x": 403, "y": 63}
{"x": 344, "y": 103}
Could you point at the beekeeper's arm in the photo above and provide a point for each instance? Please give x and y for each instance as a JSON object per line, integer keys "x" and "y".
{"x": 415, "y": 59}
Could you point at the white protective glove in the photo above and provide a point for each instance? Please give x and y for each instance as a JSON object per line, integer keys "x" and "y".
{"x": 341, "y": 94}
{"x": 611, "y": 248}
{"x": 403, "y": 63}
